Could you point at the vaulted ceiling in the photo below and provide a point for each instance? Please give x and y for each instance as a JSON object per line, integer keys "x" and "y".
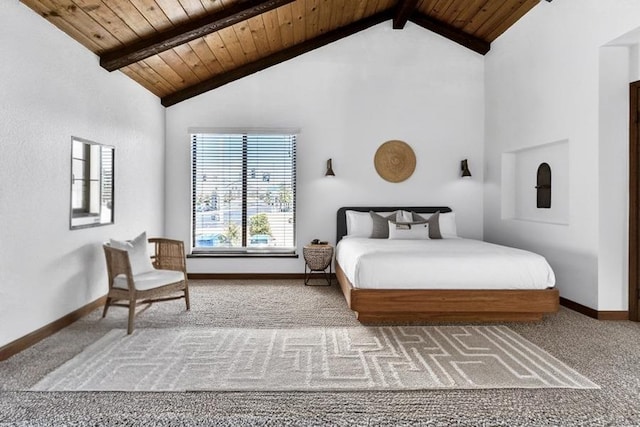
{"x": 178, "y": 49}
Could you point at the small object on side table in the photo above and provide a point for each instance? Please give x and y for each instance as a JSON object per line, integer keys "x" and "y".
{"x": 317, "y": 257}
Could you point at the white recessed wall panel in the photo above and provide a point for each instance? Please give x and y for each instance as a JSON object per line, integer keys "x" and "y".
{"x": 519, "y": 173}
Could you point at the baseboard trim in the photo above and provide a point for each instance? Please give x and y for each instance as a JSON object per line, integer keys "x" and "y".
{"x": 27, "y": 341}
{"x": 253, "y": 276}
{"x": 588, "y": 311}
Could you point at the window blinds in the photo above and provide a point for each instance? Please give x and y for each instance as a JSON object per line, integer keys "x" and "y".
{"x": 243, "y": 192}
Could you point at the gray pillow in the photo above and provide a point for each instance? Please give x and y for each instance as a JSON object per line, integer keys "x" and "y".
{"x": 434, "y": 224}
{"x": 380, "y": 229}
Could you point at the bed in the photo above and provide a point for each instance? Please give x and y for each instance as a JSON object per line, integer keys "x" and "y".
{"x": 421, "y": 281}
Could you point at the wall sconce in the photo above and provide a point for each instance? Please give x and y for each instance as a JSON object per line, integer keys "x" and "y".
{"x": 329, "y": 171}
{"x": 464, "y": 167}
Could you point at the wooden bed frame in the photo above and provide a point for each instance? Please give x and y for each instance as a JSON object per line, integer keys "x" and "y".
{"x": 440, "y": 305}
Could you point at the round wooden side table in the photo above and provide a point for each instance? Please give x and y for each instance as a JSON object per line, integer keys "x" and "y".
{"x": 317, "y": 258}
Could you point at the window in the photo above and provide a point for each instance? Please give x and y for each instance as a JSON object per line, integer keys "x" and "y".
{"x": 543, "y": 186}
{"x": 243, "y": 192}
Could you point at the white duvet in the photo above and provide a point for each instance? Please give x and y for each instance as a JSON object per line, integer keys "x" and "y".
{"x": 440, "y": 264}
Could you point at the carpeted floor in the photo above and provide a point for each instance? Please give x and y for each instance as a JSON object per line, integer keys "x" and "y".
{"x": 608, "y": 353}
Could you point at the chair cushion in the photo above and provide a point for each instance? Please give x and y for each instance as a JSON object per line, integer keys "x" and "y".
{"x": 138, "y": 250}
{"x": 149, "y": 280}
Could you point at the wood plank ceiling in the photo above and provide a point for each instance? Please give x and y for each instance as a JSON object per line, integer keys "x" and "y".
{"x": 178, "y": 49}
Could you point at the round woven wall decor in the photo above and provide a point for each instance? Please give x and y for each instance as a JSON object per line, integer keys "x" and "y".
{"x": 395, "y": 161}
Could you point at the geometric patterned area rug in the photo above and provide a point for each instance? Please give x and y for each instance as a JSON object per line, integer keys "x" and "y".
{"x": 312, "y": 359}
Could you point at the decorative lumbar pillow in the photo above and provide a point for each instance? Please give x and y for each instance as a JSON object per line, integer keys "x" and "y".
{"x": 138, "y": 250}
{"x": 380, "y": 228}
{"x": 408, "y": 231}
{"x": 434, "y": 224}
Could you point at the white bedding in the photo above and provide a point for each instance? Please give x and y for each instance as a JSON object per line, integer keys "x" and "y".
{"x": 440, "y": 264}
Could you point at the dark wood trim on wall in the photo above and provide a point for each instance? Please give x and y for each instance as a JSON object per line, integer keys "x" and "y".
{"x": 595, "y": 314}
{"x": 28, "y": 340}
{"x": 634, "y": 202}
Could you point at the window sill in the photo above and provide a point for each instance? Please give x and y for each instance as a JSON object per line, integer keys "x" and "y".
{"x": 242, "y": 255}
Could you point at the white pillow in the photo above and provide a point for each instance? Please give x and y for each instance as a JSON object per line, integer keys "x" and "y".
{"x": 138, "y": 250}
{"x": 360, "y": 224}
{"x": 448, "y": 225}
{"x": 408, "y": 231}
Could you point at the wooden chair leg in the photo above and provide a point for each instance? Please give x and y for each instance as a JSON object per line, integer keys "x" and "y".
{"x": 106, "y": 307}
{"x": 186, "y": 297}
{"x": 132, "y": 313}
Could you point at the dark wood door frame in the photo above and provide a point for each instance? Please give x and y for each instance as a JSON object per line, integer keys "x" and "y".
{"x": 634, "y": 200}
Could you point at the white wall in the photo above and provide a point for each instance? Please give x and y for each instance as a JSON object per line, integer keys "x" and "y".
{"x": 614, "y": 176}
{"x": 51, "y": 88}
{"x": 348, "y": 98}
{"x": 544, "y": 83}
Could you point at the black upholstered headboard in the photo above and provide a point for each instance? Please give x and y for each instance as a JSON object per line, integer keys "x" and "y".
{"x": 342, "y": 217}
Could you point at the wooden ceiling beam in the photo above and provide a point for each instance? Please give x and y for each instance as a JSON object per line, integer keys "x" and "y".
{"x": 404, "y": 9}
{"x": 276, "y": 58}
{"x": 452, "y": 33}
{"x": 238, "y": 12}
